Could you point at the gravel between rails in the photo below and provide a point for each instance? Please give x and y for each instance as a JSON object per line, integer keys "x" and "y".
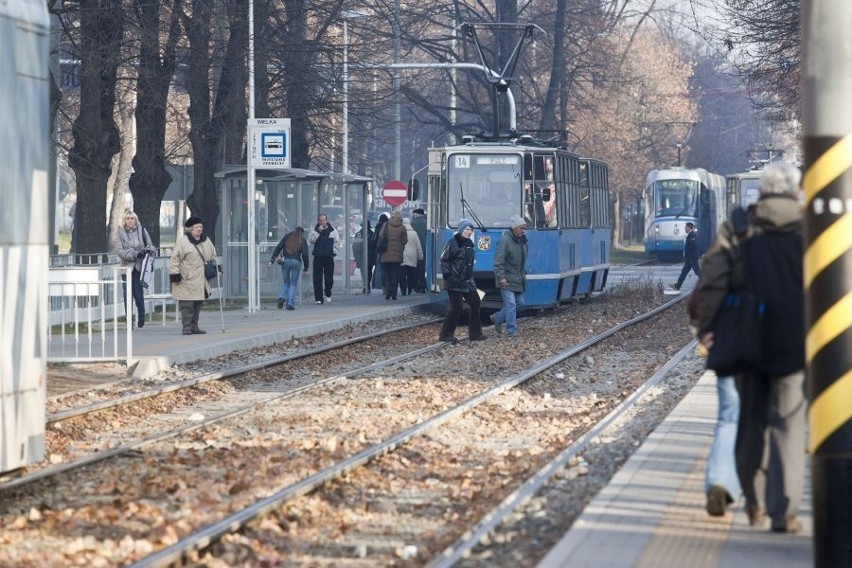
{"x": 121, "y": 511}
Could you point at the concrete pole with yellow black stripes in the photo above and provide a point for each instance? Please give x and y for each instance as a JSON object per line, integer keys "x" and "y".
{"x": 827, "y": 120}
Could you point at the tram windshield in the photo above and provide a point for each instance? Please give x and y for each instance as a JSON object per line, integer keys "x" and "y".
{"x": 676, "y": 198}
{"x": 750, "y": 191}
{"x": 484, "y": 188}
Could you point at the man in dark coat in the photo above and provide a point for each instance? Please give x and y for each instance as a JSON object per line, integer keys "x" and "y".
{"x": 326, "y": 243}
{"x": 770, "y": 447}
{"x": 690, "y": 256}
{"x": 510, "y": 274}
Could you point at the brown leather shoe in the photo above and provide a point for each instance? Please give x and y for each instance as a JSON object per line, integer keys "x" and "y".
{"x": 717, "y": 501}
{"x": 789, "y": 525}
{"x": 756, "y": 515}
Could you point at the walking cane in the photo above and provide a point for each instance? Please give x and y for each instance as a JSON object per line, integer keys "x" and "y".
{"x": 221, "y": 298}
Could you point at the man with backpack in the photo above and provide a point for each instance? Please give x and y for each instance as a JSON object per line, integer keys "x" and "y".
{"x": 770, "y": 445}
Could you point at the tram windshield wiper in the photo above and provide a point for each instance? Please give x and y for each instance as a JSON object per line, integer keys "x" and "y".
{"x": 466, "y": 207}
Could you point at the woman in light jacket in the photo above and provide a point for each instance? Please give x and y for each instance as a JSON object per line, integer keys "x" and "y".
{"x": 411, "y": 257}
{"x": 132, "y": 242}
{"x": 186, "y": 273}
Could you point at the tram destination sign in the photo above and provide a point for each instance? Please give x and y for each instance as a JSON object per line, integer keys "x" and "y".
{"x": 269, "y": 143}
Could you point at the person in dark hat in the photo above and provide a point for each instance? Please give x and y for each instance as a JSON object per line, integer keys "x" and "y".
{"x": 418, "y": 223}
{"x": 457, "y": 261}
{"x": 510, "y": 274}
{"x": 190, "y": 287}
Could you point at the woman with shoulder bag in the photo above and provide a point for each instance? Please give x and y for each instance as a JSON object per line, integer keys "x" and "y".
{"x": 190, "y": 285}
{"x": 457, "y": 261}
{"x": 132, "y": 244}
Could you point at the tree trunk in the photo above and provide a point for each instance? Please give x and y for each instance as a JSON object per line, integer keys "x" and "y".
{"x": 96, "y": 137}
{"x": 549, "y": 115}
{"x": 122, "y": 163}
{"x": 208, "y": 127}
{"x": 150, "y": 180}
{"x": 298, "y": 64}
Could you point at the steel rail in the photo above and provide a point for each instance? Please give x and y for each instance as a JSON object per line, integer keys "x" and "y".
{"x": 128, "y": 399}
{"x": 203, "y": 538}
{"x": 535, "y": 482}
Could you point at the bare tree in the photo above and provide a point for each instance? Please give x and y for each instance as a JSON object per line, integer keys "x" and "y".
{"x": 156, "y": 69}
{"x": 95, "y": 133}
{"x": 211, "y": 109}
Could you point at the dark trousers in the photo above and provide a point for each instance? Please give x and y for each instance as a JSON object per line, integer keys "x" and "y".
{"x": 688, "y": 264}
{"x": 136, "y": 291}
{"x": 366, "y": 276}
{"x": 189, "y": 310}
{"x": 390, "y": 278}
{"x": 421, "y": 276}
{"x": 323, "y": 274}
{"x": 408, "y": 279}
{"x": 770, "y": 448}
{"x": 448, "y": 328}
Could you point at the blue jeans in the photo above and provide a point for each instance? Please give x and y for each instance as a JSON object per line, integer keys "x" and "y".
{"x": 721, "y": 465}
{"x": 509, "y": 313}
{"x": 290, "y": 272}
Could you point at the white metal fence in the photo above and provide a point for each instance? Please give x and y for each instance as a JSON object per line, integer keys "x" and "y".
{"x": 87, "y": 309}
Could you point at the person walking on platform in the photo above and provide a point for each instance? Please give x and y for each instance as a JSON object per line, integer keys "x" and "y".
{"x": 393, "y": 238}
{"x": 510, "y": 274}
{"x": 457, "y": 261}
{"x": 365, "y": 237}
{"x": 131, "y": 245}
{"x": 721, "y": 483}
{"x": 190, "y": 286}
{"x": 418, "y": 223}
{"x": 770, "y": 447}
{"x": 292, "y": 254}
{"x": 326, "y": 244}
{"x": 378, "y": 279}
{"x": 412, "y": 255}
{"x": 690, "y": 256}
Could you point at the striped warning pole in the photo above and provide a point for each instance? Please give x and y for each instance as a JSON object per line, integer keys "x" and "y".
{"x": 827, "y": 120}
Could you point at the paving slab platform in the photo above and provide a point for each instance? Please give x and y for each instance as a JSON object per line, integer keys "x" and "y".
{"x": 160, "y": 345}
{"x": 652, "y": 512}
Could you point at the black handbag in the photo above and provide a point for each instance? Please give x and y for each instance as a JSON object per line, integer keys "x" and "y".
{"x": 210, "y": 269}
{"x": 737, "y": 335}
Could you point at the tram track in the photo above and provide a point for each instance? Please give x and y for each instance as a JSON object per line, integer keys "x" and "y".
{"x": 193, "y": 410}
{"x": 341, "y": 494}
{"x": 352, "y": 437}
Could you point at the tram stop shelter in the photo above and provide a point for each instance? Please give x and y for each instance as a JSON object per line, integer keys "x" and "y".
{"x": 283, "y": 200}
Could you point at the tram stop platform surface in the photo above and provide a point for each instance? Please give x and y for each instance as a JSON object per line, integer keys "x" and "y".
{"x": 652, "y": 512}
{"x": 157, "y": 346}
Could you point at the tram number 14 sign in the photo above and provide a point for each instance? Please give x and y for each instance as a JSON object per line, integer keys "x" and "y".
{"x": 394, "y": 193}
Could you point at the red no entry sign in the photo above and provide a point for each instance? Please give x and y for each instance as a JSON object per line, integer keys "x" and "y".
{"x": 394, "y": 192}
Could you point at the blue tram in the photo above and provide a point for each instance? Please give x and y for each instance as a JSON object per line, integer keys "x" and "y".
{"x": 743, "y": 189}
{"x": 563, "y": 197}
{"x": 24, "y": 165}
{"x": 676, "y": 196}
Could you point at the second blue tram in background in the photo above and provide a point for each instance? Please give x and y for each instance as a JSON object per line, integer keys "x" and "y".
{"x": 743, "y": 189}
{"x": 564, "y": 199}
{"x": 677, "y": 196}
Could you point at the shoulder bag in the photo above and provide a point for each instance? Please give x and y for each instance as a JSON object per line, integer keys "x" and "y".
{"x": 210, "y": 269}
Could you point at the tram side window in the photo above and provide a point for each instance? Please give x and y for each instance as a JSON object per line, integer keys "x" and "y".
{"x": 584, "y": 207}
{"x": 540, "y": 194}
